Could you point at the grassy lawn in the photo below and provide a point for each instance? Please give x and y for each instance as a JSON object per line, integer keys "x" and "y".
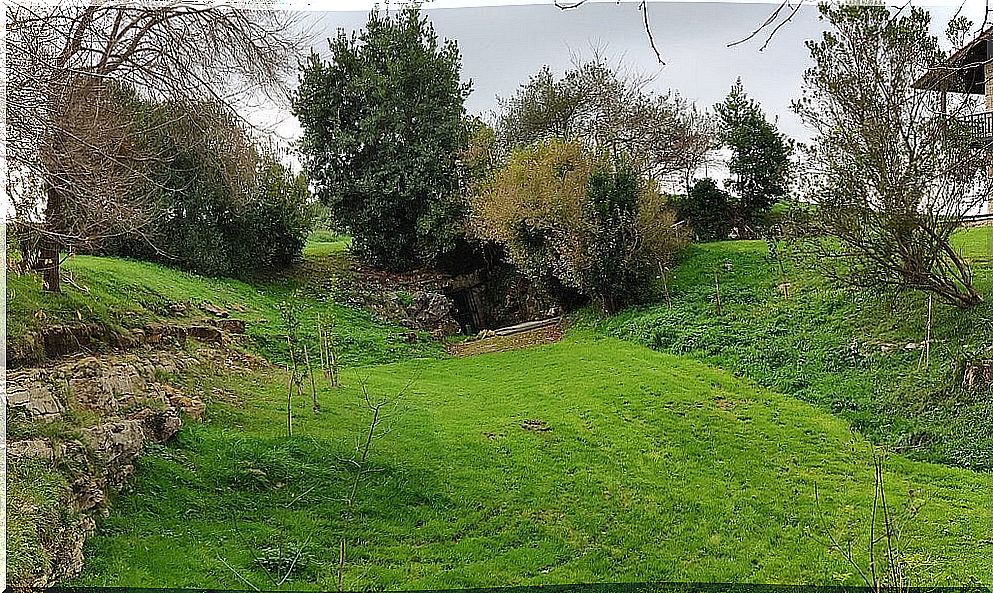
{"x": 323, "y": 244}
{"x": 125, "y": 294}
{"x": 847, "y": 352}
{"x": 653, "y": 467}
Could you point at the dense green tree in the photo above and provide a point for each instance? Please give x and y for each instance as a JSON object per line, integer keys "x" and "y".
{"x": 708, "y": 210}
{"x": 760, "y": 158}
{"x": 384, "y": 125}
{"x": 221, "y": 205}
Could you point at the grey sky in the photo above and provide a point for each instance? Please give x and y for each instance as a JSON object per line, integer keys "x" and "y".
{"x": 503, "y": 45}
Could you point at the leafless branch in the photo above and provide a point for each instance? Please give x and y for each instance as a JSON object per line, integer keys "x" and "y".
{"x": 236, "y": 573}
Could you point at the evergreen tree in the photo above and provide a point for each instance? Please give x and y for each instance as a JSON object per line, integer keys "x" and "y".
{"x": 384, "y": 125}
{"x": 760, "y": 158}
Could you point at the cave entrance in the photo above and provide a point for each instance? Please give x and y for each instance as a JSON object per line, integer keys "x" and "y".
{"x": 467, "y": 310}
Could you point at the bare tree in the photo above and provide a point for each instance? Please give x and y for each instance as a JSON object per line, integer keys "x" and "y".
{"x": 642, "y": 7}
{"x": 892, "y": 169}
{"x": 606, "y": 108}
{"x": 70, "y": 69}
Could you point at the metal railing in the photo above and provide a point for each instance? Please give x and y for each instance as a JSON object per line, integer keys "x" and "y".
{"x": 981, "y": 125}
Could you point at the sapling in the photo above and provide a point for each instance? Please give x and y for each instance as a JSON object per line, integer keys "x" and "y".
{"x": 881, "y": 548}
{"x": 359, "y": 462}
{"x": 329, "y": 358}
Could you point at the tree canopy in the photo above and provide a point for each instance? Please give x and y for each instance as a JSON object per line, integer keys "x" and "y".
{"x": 760, "y": 158}
{"x": 577, "y": 224}
{"x": 221, "y": 204}
{"x": 892, "y": 169}
{"x": 660, "y": 135}
{"x": 72, "y": 152}
{"x": 384, "y": 125}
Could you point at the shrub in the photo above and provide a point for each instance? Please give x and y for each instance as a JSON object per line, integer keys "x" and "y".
{"x": 223, "y": 206}
{"x": 577, "y": 226}
{"x": 707, "y": 209}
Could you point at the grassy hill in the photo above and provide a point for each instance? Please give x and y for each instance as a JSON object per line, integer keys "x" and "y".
{"x": 594, "y": 459}
{"x": 124, "y": 294}
{"x": 854, "y": 354}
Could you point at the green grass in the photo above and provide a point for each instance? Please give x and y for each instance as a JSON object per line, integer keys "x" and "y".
{"x": 323, "y": 244}
{"x": 841, "y": 350}
{"x": 37, "y": 508}
{"x": 655, "y": 467}
{"x": 123, "y": 294}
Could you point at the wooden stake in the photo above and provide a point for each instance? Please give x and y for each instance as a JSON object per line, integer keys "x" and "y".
{"x": 313, "y": 386}
{"x": 926, "y": 352}
{"x": 289, "y": 401}
{"x": 717, "y": 284}
{"x": 332, "y": 359}
{"x": 320, "y": 339}
{"x": 665, "y": 285}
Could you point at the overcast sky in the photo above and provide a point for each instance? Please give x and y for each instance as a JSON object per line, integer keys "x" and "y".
{"x": 502, "y": 46}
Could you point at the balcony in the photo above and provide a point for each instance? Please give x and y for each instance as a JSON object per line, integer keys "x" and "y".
{"x": 981, "y": 126}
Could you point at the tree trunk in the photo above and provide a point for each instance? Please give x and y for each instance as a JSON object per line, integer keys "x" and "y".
{"x": 51, "y": 243}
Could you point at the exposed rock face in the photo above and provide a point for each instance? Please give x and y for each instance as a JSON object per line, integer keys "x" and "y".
{"x": 60, "y": 341}
{"x": 126, "y": 402}
{"x": 432, "y": 311}
{"x": 36, "y": 400}
{"x": 233, "y": 326}
{"x": 214, "y": 310}
{"x": 206, "y": 333}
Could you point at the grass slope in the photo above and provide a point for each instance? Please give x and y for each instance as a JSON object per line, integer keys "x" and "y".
{"x": 655, "y": 467}
{"x": 843, "y": 351}
{"x": 124, "y": 294}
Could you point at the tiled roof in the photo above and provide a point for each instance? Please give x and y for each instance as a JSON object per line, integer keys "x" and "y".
{"x": 962, "y": 72}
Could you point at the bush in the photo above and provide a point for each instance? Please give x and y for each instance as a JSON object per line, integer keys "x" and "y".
{"x": 223, "y": 207}
{"x": 575, "y": 225}
{"x": 707, "y": 209}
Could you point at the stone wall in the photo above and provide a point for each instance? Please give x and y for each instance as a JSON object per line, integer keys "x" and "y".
{"x": 110, "y": 407}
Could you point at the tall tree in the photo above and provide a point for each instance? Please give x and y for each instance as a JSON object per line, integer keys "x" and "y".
{"x": 70, "y": 146}
{"x": 384, "y": 124}
{"x": 760, "y": 157}
{"x": 661, "y": 135}
{"x": 892, "y": 169}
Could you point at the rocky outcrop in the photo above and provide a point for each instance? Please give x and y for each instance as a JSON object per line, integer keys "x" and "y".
{"x": 59, "y": 341}
{"x": 112, "y": 406}
{"x": 431, "y": 311}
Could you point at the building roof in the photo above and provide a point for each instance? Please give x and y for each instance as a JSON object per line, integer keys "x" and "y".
{"x": 963, "y": 71}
